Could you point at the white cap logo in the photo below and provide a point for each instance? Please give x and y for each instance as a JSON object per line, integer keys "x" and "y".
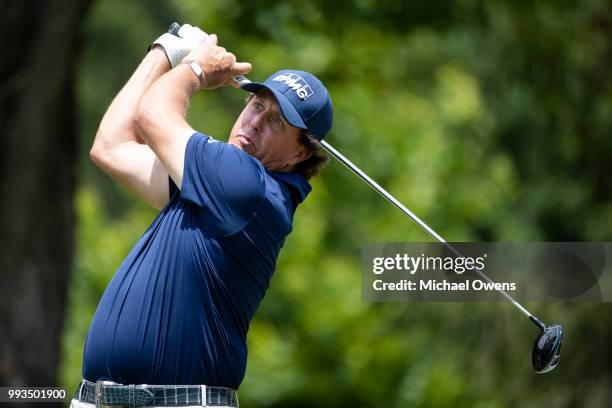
{"x": 297, "y": 83}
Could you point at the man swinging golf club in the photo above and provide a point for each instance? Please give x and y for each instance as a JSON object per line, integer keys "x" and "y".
{"x": 176, "y": 313}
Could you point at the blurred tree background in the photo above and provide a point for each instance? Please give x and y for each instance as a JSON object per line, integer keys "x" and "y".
{"x": 491, "y": 120}
{"x": 38, "y": 163}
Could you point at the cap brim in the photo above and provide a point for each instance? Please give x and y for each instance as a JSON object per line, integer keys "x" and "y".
{"x": 289, "y": 112}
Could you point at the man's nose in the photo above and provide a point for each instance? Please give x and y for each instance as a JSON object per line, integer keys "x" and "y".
{"x": 256, "y": 121}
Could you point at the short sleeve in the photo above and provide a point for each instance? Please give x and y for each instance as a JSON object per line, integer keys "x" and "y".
{"x": 223, "y": 181}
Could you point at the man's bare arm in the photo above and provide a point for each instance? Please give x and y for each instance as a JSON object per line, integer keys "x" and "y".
{"x": 161, "y": 114}
{"x": 119, "y": 151}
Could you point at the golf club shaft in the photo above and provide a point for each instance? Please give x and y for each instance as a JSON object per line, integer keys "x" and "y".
{"x": 352, "y": 167}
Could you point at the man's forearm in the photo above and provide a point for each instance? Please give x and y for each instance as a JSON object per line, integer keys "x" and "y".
{"x": 117, "y": 125}
{"x": 163, "y": 109}
{"x": 161, "y": 118}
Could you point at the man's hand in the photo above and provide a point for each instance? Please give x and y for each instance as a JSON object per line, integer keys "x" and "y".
{"x": 218, "y": 65}
{"x": 178, "y": 46}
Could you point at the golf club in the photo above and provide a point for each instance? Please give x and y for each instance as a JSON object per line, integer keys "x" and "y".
{"x": 547, "y": 347}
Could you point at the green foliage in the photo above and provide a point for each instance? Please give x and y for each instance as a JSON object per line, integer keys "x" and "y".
{"x": 490, "y": 120}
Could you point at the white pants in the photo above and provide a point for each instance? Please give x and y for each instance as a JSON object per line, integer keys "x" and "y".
{"x": 80, "y": 404}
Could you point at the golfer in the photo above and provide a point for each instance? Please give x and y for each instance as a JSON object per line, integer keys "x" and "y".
{"x": 176, "y": 313}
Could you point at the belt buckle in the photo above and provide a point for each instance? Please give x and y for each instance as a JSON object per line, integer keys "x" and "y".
{"x": 98, "y": 393}
{"x": 204, "y": 400}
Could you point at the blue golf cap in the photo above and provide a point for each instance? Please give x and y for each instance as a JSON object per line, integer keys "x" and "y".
{"x": 303, "y": 100}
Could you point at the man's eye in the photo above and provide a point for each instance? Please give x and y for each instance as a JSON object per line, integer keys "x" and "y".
{"x": 277, "y": 120}
{"x": 258, "y": 105}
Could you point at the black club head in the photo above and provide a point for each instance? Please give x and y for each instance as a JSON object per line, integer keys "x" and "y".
{"x": 547, "y": 349}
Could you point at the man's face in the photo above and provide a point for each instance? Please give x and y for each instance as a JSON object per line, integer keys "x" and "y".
{"x": 262, "y": 131}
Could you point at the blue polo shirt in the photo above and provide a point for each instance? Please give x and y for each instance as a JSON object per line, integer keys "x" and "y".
{"x": 178, "y": 309}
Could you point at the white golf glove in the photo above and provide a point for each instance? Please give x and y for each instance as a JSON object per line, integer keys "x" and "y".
{"x": 177, "y": 47}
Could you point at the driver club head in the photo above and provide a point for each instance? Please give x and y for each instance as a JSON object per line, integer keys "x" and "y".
{"x": 547, "y": 349}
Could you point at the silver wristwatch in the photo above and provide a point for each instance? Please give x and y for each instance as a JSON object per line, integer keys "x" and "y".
{"x": 196, "y": 68}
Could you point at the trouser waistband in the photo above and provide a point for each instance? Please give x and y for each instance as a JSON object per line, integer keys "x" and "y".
{"x": 103, "y": 393}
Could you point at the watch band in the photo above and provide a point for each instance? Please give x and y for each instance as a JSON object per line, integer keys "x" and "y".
{"x": 196, "y": 68}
